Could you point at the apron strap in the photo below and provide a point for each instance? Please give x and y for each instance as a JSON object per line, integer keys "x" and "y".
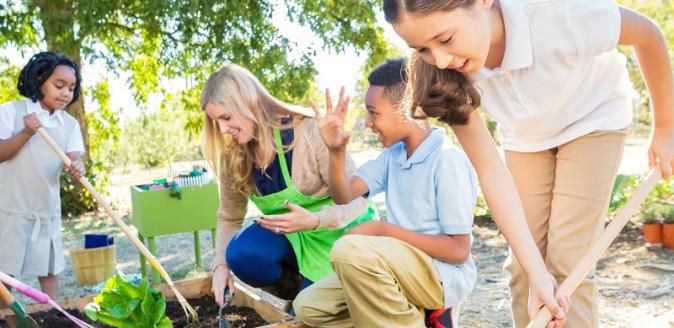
{"x": 36, "y": 228}
{"x": 281, "y": 156}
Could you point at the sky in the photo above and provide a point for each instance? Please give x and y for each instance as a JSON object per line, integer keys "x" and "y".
{"x": 334, "y": 70}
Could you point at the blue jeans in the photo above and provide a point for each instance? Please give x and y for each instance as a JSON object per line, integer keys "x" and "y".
{"x": 257, "y": 256}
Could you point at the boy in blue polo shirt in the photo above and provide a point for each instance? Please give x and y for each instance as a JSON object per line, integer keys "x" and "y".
{"x": 388, "y": 272}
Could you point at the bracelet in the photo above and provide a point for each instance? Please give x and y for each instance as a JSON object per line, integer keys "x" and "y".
{"x": 319, "y": 221}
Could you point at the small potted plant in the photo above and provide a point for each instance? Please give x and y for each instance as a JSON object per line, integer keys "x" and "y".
{"x": 651, "y": 228}
{"x": 668, "y": 226}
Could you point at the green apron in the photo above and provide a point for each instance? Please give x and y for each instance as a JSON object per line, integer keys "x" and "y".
{"x": 311, "y": 247}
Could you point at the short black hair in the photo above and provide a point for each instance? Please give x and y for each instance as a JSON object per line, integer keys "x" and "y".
{"x": 389, "y": 73}
{"x": 38, "y": 70}
{"x": 392, "y": 76}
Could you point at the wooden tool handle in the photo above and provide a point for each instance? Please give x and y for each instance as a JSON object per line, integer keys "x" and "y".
{"x": 5, "y": 295}
{"x": 115, "y": 217}
{"x": 599, "y": 247}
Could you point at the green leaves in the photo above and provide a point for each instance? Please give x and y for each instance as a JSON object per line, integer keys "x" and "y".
{"x": 122, "y": 304}
{"x": 189, "y": 39}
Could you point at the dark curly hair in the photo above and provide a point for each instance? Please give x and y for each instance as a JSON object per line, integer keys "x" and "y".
{"x": 391, "y": 75}
{"x": 444, "y": 94}
{"x": 39, "y": 68}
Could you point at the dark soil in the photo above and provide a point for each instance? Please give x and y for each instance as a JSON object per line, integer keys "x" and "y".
{"x": 238, "y": 317}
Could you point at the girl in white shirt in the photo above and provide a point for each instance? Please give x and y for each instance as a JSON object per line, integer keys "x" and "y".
{"x": 550, "y": 75}
{"x": 30, "y": 204}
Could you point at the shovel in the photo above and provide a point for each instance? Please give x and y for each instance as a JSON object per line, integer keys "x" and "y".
{"x": 22, "y": 319}
{"x": 222, "y": 321}
{"x": 600, "y": 245}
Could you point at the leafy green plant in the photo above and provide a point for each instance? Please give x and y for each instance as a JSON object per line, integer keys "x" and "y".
{"x": 649, "y": 214}
{"x": 668, "y": 214}
{"x": 622, "y": 189}
{"x": 123, "y": 304}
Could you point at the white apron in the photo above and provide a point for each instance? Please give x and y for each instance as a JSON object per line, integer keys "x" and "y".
{"x": 30, "y": 203}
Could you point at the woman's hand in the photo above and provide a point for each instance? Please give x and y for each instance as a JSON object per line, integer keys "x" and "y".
{"x": 542, "y": 289}
{"x": 298, "y": 219}
{"x": 661, "y": 151}
{"x": 222, "y": 278}
{"x": 31, "y": 124}
{"x": 76, "y": 169}
{"x": 332, "y": 123}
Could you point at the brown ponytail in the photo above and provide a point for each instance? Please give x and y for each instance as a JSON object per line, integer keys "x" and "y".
{"x": 444, "y": 94}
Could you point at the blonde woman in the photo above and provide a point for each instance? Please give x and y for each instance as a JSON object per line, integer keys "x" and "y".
{"x": 272, "y": 154}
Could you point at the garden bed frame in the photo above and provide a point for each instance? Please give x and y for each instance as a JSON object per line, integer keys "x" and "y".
{"x": 268, "y": 306}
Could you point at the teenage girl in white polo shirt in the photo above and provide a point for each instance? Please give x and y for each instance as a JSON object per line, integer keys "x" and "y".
{"x": 550, "y": 75}
{"x": 30, "y": 204}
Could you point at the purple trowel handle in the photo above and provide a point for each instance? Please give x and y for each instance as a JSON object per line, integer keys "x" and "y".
{"x": 25, "y": 289}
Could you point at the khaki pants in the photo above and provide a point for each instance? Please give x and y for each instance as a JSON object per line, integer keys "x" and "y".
{"x": 378, "y": 282}
{"x": 565, "y": 192}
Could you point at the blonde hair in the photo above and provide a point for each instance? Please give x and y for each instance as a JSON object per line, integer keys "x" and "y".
{"x": 238, "y": 90}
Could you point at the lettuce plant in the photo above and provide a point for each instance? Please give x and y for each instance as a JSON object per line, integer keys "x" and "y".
{"x": 123, "y": 304}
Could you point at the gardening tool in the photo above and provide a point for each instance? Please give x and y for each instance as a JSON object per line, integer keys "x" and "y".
{"x": 191, "y": 314}
{"x": 39, "y": 297}
{"x": 599, "y": 247}
{"x": 22, "y": 319}
{"x": 222, "y": 321}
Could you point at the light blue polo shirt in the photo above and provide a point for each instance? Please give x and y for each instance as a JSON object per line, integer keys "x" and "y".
{"x": 432, "y": 192}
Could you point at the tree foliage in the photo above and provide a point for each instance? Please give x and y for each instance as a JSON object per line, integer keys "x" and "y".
{"x": 190, "y": 38}
{"x": 8, "y": 78}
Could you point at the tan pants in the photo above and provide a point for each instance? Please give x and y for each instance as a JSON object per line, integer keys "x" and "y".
{"x": 565, "y": 192}
{"x": 378, "y": 282}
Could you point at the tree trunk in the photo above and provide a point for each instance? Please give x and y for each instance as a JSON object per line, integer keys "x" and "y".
{"x": 58, "y": 25}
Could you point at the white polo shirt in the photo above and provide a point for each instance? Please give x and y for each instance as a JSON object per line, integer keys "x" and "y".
{"x": 561, "y": 75}
{"x": 8, "y": 115}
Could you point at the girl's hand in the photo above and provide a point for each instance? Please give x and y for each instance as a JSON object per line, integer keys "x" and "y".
{"x": 298, "y": 219}
{"x": 661, "y": 151}
{"x": 31, "y": 124}
{"x": 332, "y": 123}
{"x": 76, "y": 169}
{"x": 370, "y": 228}
{"x": 542, "y": 289}
{"x": 222, "y": 278}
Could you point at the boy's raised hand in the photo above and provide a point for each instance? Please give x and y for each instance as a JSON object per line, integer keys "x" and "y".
{"x": 331, "y": 123}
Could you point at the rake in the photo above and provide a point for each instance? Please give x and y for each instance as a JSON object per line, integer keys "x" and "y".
{"x": 41, "y": 297}
{"x": 599, "y": 247}
{"x": 22, "y": 319}
{"x": 191, "y": 314}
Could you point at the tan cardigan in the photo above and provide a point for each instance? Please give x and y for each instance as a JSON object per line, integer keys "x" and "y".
{"x": 310, "y": 174}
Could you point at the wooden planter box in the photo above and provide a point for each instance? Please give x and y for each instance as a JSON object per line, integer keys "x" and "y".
{"x": 268, "y": 306}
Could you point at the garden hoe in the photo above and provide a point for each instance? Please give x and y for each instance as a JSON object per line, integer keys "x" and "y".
{"x": 599, "y": 247}
{"x": 191, "y": 314}
{"x": 22, "y": 319}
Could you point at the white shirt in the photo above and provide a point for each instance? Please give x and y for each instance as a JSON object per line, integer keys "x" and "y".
{"x": 8, "y": 115}
{"x": 561, "y": 75}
